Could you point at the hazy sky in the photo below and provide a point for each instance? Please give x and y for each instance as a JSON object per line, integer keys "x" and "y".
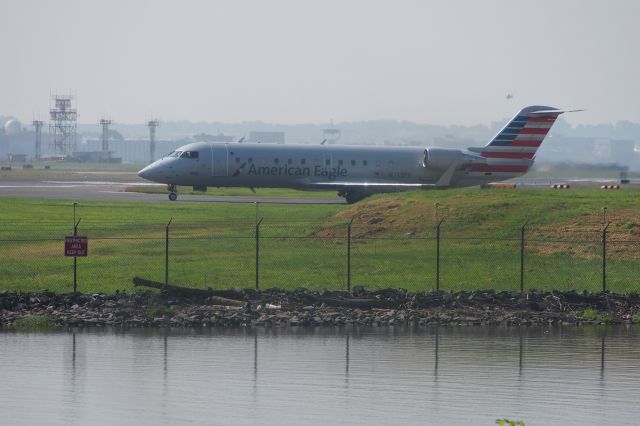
{"x": 292, "y": 61}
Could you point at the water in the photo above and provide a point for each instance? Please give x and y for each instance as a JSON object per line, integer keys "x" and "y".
{"x": 470, "y": 376}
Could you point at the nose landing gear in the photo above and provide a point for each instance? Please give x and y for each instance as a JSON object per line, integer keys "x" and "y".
{"x": 173, "y": 192}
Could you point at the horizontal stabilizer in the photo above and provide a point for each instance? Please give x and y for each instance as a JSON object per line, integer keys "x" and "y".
{"x": 554, "y": 111}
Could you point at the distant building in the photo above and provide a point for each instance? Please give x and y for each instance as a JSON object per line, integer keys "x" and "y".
{"x": 96, "y": 157}
{"x": 621, "y": 149}
{"x": 266, "y": 137}
{"x": 131, "y": 150}
{"x": 17, "y": 158}
{"x": 203, "y": 137}
{"x": 12, "y": 127}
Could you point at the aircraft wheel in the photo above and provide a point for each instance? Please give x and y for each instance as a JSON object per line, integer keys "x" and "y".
{"x": 353, "y": 196}
{"x": 173, "y": 196}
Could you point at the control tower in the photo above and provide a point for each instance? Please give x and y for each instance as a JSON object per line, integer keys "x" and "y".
{"x": 38, "y": 126}
{"x": 153, "y": 124}
{"x": 331, "y": 135}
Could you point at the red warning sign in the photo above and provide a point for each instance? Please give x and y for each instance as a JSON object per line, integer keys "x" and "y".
{"x": 76, "y": 246}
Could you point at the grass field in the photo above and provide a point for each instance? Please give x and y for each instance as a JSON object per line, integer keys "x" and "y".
{"x": 393, "y": 242}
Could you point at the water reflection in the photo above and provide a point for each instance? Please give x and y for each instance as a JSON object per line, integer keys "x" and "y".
{"x": 435, "y": 370}
{"x": 447, "y": 375}
{"x": 346, "y": 358}
{"x": 602, "y": 359}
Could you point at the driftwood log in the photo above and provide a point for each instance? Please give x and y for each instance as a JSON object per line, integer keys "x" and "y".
{"x": 217, "y": 297}
{"x": 359, "y": 303}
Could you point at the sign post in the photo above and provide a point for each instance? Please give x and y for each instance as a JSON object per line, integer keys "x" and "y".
{"x": 76, "y": 246}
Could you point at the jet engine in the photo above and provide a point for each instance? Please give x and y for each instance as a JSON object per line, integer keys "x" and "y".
{"x": 442, "y": 158}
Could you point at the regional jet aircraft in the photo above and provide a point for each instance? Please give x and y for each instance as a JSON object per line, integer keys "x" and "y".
{"x": 356, "y": 172}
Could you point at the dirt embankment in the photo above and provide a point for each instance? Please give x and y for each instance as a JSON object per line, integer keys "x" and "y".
{"x": 577, "y": 236}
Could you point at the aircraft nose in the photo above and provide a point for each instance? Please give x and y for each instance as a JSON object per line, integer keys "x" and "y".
{"x": 148, "y": 172}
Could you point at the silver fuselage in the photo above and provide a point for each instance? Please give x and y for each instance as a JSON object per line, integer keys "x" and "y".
{"x": 311, "y": 167}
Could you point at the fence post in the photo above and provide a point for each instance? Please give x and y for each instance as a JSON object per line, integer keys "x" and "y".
{"x": 349, "y": 255}
{"x": 166, "y": 253}
{"x": 438, "y": 254}
{"x": 257, "y": 235}
{"x": 522, "y": 229}
{"x": 604, "y": 257}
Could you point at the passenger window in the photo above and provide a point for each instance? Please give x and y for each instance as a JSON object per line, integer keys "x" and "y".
{"x": 327, "y": 162}
{"x": 237, "y": 159}
{"x": 250, "y": 160}
{"x": 353, "y": 162}
{"x": 339, "y": 162}
{"x": 364, "y": 162}
{"x": 276, "y": 160}
{"x": 289, "y": 161}
{"x": 377, "y": 163}
{"x": 303, "y": 161}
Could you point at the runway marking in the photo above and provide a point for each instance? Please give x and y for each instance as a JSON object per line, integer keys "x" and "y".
{"x": 40, "y": 186}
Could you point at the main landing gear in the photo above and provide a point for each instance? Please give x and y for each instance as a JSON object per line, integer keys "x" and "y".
{"x": 173, "y": 192}
{"x": 352, "y": 196}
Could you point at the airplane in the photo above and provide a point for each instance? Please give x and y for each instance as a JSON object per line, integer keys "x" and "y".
{"x": 356, "y": 172}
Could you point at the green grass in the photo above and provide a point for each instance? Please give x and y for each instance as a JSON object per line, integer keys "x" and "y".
{"x": 213, "y": 244}
{"x": 160, "y": 311}
{"x": 591, "y": 314}
{"x": 33, "y": 323}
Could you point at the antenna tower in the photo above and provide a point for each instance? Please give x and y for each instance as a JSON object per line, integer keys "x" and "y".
{"x": 105, "y": 136}
{"x": 38, "y": 125}
{"x": 152, "y": 139}
{"x": 63, "y": 123}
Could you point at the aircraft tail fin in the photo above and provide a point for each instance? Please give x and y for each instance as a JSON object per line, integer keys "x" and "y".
{"x": 513, "y": 149}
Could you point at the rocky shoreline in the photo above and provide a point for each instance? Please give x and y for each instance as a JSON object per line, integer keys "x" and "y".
{"x": 302, "y": 307}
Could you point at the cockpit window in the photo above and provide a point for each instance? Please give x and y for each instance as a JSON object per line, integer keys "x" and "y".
{"x": 175, "y": 154}
{"x": 190, "y": 154}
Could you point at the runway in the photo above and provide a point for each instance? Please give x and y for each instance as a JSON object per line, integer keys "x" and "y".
{"x": 73, "y": 190}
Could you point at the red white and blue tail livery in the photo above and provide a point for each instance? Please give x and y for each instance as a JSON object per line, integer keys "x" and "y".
{"x": 513, "y": 149}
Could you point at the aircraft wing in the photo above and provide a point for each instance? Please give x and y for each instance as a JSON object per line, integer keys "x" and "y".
{"x": 375, "y": 186}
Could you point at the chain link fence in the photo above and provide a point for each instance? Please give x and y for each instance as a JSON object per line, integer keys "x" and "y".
{"x": 335, "y": 256}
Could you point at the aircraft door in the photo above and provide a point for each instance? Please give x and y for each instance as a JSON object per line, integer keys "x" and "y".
{"x": 219, "y": 159}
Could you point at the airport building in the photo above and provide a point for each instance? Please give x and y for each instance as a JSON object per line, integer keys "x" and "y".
{"x": 266, "y": 137}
